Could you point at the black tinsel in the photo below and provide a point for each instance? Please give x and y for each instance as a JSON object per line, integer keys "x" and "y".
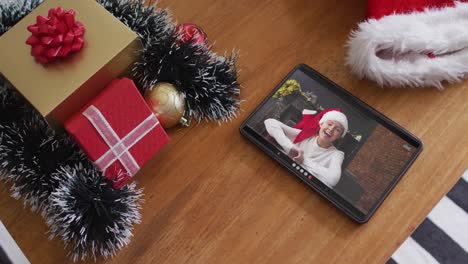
{"x": 30, "y": 152}
{"x": 90, "y": 215}
{"x": 50, "y": 173}
{"x": 13, "y": 11}
{"x": 148, "y": 22}
{"x": 207, "y": 81}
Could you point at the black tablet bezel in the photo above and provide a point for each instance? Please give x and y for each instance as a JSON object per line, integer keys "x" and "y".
{"x": 316, "y": 184}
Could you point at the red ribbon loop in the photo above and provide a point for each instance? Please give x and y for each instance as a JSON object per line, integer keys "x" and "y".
{"x": 56, "y": 35}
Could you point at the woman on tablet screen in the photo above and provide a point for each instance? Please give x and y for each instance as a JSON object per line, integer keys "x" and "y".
{"x": 310, "y": 142}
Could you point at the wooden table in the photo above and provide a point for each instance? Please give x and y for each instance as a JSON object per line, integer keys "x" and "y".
{"x": 213, "y": 197}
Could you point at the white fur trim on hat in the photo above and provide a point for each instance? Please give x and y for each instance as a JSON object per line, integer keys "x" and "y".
{"x": 336, "y": 116}
{"x": 405, "y": 39}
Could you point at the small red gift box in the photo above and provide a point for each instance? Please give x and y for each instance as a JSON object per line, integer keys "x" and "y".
{"x": 118, "y": 131}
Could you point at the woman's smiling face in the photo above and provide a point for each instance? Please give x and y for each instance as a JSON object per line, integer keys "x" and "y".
{"x": 330, "y": 131}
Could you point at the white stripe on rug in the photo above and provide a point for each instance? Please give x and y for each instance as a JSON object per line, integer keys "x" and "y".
{"x": 410, "y": 252}
{"x": 451, "y": 219}
{"x": 465, "y": 176}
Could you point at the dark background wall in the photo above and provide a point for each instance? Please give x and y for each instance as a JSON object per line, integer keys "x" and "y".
{"x": 378, "y": 162}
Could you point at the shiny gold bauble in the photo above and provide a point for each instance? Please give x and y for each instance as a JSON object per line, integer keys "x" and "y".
{"x": 166, "y": 103}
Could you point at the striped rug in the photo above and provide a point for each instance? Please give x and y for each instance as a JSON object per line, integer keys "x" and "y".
{"x": 443, "y": 235}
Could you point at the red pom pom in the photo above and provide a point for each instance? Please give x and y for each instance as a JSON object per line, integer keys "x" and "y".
{"x": 56, "y": 35}
{"x": 191, "y": 32}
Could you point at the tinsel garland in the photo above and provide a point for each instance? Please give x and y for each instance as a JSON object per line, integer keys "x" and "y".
{"x": 89, "y": 214}
{"x": 51, "y": 174}
{"x": 207, "y": 81}
{"x": 13, "y": 11}
{"x": 30, "y": 151}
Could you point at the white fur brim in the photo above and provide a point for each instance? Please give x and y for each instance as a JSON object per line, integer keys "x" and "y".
{"x": 409, "y": 38}
{"x": 336, "y": 116}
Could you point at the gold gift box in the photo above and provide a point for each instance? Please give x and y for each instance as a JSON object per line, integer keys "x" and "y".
{"x": 61, "y": 88}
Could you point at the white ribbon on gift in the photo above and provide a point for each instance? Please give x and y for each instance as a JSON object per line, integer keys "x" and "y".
{"x": 118, "y": 148}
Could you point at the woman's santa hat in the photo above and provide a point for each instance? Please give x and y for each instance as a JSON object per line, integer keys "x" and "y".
{"x": 411, "y": 42}
{"x": 310, "y": 123}
{"x": 337, "y": 116}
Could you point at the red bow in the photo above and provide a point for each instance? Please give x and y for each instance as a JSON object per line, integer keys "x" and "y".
{"x": 56, "y": 35}
{"x": 309, "y": 124}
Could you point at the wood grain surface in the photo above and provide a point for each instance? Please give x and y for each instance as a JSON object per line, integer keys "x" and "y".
{"x": 213, "y": 197}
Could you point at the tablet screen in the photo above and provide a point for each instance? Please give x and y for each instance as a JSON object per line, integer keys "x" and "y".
{"x": 333, "y": 141}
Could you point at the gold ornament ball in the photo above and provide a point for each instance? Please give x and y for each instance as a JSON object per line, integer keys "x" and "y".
{"x": 166, "y": 103}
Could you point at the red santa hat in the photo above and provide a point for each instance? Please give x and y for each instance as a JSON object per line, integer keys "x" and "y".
{"x": 310, "y": 123}
{"x": 411, "y": 42}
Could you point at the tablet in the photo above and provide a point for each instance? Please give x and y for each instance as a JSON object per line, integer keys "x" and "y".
{"x": 336, "y": 144}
